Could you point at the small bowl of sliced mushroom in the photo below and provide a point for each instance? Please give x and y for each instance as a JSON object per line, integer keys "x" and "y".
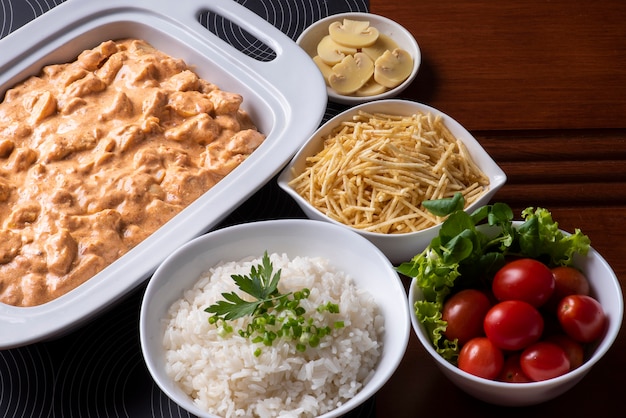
{"x": 362, "y": 56}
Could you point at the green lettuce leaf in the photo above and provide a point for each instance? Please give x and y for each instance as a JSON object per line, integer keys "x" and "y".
{"x": 463, "y": 256}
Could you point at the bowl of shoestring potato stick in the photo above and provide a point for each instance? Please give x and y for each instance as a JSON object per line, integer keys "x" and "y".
{"x": 372, "y": 167}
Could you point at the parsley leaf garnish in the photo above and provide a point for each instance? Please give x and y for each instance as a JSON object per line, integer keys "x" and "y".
{"x": 273, "y": 314}
{"x": 260, "y": 284}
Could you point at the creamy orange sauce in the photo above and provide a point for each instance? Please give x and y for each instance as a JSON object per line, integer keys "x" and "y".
{"x": 97, "y": 154}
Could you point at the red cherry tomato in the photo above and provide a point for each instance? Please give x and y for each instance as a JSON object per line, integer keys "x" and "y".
{"x": 524, "y": 279}
{"x": 513, "y": 324}
{"x": 573, "y": 349}
{"x": 512, "y": 370}
{"x": 464, "y": 312}
{"x": 480, "y": 357}
{"x": 582, "y": 317}
{"x": 544, "y": 360}
{"x": 568, "y": 281}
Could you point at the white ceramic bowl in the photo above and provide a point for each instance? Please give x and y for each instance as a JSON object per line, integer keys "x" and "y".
{"x": 312, "y": 35}
{"x": 605, "y": 288}
{"x": 397, "y": 247}
{"x": 346, "y": 250}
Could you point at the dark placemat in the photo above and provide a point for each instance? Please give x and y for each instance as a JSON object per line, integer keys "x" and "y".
{"x": 98, "y": 369}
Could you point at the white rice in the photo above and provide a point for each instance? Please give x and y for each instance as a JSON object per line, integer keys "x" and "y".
{"x": 225, "y": 378}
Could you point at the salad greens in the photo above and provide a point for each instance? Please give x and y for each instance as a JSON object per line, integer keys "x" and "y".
{"x": 463, "y": 255}
{"x": 274, "y": 314}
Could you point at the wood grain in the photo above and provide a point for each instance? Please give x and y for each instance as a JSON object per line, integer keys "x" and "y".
{"x": 542, "y": 86}
{"x": 520, "y": 64}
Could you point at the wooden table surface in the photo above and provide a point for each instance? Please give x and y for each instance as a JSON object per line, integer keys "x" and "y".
{"x": 542, "y": 86}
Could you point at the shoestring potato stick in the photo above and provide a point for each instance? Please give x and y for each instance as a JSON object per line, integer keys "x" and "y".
{"x": 375, "y": 171}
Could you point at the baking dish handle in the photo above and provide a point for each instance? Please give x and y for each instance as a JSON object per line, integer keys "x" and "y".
{"x": 284, "y": 47}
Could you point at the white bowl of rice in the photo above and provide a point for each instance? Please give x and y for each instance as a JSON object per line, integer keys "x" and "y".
{"x": 212, "y": 373}
{"x": 370, "y": 168}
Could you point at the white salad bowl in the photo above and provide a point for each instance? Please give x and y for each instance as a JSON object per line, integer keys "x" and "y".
{"x": 345, "y": 250}
{"x": 398, "y": 247}
{"x": 605, "y": 288}
{"x": 311, "y": 36}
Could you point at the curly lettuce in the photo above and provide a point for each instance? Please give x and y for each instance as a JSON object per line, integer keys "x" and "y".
{"x": 463, "y": 255}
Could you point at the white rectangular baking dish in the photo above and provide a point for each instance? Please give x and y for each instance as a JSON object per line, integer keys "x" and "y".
{"x": 282, "y": 106}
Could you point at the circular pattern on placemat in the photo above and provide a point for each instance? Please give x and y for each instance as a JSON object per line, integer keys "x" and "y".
{"x": 291, "y": 17}
{"x": 16, "y": 13}
{"x": 25, "y": 374}
{"x": 98, "y": 370}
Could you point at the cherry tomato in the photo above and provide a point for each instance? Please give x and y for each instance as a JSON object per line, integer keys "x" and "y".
{"x": 480, "y": 357}
{"x": 544, "y": 360}
{"x": 513, "y": 324}
{"x": 524, "y": 279}
{"x": 573, "y": 350}
{"x": 568, "y": 281}
{"x": 581, "y": 317}
{"x": 512, "y": 370}
{"x": 464, "y": 312}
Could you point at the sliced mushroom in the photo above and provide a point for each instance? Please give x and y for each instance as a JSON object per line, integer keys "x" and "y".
{"x": 353, "y": 33}
{"x": 383, "y": 43}
{"x": 393, "y": 67}
{"x": 326, "y": 69}
{"x": 351, "y": 73}
{"x": 331, "y": 52}
{"x": 371, "y": 88}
